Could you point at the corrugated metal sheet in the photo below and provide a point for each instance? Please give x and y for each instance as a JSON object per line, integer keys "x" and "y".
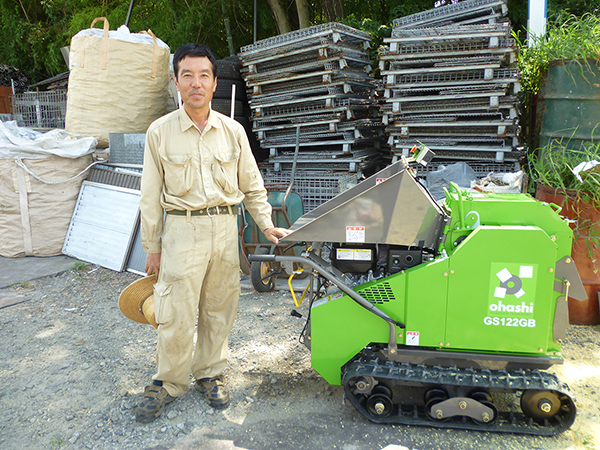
{"x": 115, "y": 176}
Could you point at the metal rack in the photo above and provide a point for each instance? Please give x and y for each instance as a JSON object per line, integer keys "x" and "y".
{"x": 312, "y": 89}
{"x": 314, "y": 187}
{"x": 332, "y": 31}
{"x": 466, "y": 12}
{"x": 40, "y": 109}
{"x": 450, "y": 82}
{"x": 481, "y": 169}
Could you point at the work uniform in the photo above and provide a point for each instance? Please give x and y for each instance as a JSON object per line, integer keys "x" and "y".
{"x": 198, "y": 179}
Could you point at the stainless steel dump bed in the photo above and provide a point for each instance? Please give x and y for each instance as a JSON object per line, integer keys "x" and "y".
{"x": 399, "y": 211}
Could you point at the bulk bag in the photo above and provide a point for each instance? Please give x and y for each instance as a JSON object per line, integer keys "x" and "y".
{"x": 118, "y": 82}
{"x": 40, "y": 179}
{"x": 38, "y": 199}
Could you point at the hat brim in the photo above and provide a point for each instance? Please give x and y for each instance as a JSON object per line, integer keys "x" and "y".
{"x": 138, "y": 298}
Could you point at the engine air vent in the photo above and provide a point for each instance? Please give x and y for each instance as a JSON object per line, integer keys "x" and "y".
{"x": 378, "y": 294}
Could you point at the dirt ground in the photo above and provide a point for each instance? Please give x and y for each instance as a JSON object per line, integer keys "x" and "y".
{"x": 73, "y": 369}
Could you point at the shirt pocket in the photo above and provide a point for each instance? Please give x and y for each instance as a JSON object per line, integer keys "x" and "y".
{"x": 163, "y": 307}
{"x": 178, "y": 174}
{"x": 225, "y": 171}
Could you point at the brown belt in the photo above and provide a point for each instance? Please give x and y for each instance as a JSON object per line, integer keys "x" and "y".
{"x": 212, "y": 211}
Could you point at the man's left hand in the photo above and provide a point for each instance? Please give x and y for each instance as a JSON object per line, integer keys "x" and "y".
{"x": 273, "y": 234}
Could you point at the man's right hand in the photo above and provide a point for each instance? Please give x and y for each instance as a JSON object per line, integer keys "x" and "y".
{"x": 152, "y": 264}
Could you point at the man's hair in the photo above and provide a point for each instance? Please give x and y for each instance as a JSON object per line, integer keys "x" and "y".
{"x": 193, "y": 50}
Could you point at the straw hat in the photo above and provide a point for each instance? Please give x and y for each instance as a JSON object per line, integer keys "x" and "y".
{"x": 136, "y": 302}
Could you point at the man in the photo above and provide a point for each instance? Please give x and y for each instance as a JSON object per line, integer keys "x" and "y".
{"x": 198, "y": 166}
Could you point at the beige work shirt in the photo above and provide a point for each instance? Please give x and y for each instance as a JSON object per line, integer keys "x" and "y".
{"x": 186, "y": 169}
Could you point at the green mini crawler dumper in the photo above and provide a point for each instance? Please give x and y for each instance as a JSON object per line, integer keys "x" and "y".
{"x": 443, "y": 315}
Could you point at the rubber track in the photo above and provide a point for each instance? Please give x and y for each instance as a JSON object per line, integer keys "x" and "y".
{"x": 421, "y": 375}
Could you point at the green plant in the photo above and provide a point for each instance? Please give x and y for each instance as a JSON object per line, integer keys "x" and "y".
{"x": 79, "y": 265}
{"x": 585, "y": 439}
{"x": 57, "y": 442}
{"x": 568, "y": 37}
{"x": 553, "y": 166}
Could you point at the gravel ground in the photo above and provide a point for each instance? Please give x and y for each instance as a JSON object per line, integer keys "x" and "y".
{"x": 73, "y": 369}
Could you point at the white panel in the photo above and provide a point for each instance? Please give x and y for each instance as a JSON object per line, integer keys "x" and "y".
{"x": 536, "y": 20}
{"x": 103, "y": 224}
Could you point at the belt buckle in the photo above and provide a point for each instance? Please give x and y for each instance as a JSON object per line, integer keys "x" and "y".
{"x": 213, "y": 215}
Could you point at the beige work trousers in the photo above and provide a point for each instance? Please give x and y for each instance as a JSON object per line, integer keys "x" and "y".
{"x": 199, "y": 277}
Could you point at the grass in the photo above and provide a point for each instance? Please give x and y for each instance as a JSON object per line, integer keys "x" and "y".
{"x": 568, "y": 37}
{"x": 584, "y": 439}
{"x": 79, "y": 265}
{"x": 57, "y": 442}
{"x": 554, "y": 165}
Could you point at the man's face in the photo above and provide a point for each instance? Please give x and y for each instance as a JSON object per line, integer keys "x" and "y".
{"x": 196, "y": 82}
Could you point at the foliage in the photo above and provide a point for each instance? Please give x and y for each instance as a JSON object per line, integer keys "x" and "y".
{"x": 553, "y": 166}
{"x": 33, "y": 31}
{"x": 568, "y": 37}
{"x": 377, "y": 31}
{"x": 79, "y": 265}
{"x": 558, "y": 8}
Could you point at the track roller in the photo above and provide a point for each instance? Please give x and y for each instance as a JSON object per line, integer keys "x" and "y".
{"x": 364, "y": 385}
{"x": 379, "y": 403}
{"x": 541, "y": 405}
{"x": 432, "y": 397}
{"x": 485, "y": 399}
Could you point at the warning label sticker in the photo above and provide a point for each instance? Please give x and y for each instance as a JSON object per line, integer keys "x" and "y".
{"x": 355, "y": 234}
{"x": 412, "y": 338}
{"x": 379, "y": 180}
{"x": 353, "y": 254}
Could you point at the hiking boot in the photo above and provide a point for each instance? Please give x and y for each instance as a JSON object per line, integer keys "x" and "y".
{"x": 215, "y": 393}
{"x": 153, "y": 403}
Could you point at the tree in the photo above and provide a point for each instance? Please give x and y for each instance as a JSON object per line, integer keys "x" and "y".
{"x": 333, "y": 10}
{"x": 33, "y": 31}
{"x": 303, "y": 13}
{"x": 280, "y": 16}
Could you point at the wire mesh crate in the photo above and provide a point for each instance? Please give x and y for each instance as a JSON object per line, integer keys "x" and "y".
{"x": 481, "y": 170}
{"x": 40, "y": 109}
{"x": 315, "y": 188}
{"x": 455, "y": 13}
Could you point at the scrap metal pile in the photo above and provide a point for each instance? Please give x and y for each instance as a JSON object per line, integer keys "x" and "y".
{"x": 451, "y": 83}
{"x": 311, "y": 89}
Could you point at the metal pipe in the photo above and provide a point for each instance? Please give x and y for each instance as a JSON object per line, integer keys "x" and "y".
{"x": 289, "y": 188}
{"x": 255, "y": 20}
{"x": 129, "y": 13}
{"x": 330, "y": 276}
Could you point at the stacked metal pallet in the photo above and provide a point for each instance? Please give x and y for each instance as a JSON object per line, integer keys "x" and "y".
{"x": 451, "y": 84}
{"x": 311, "y": 89}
